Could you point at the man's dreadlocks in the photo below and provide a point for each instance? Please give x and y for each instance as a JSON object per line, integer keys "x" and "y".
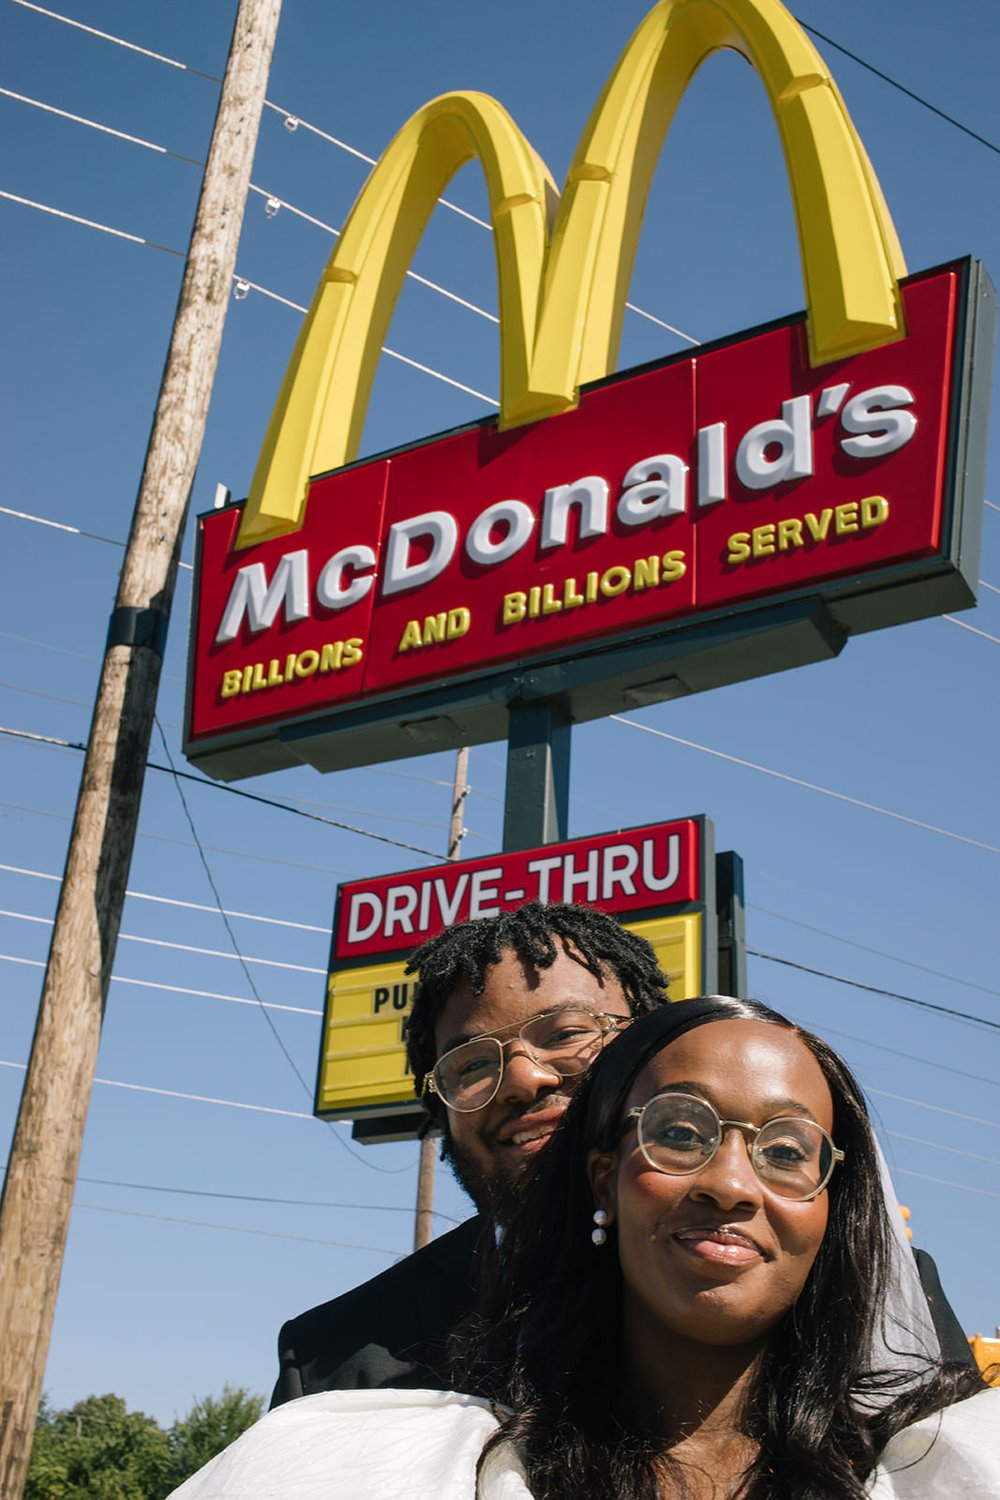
{"x": 464, "y": 953}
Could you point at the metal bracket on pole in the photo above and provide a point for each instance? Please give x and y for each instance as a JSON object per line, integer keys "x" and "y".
{"x": 536, "y": 800}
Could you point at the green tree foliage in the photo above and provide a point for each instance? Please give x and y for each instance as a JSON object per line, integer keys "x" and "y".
{"x": 210, "y": 1426}
{"x": 98, "y": 1450}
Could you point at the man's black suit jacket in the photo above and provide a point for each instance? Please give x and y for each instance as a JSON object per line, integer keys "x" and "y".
{"x": 393, "y": 1330}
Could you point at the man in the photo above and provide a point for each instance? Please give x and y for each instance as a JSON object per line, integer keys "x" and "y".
{"x": 509, "y": 1012}
{"x": 536, "y": 992}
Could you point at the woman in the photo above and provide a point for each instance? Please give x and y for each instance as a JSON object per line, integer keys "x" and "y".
{"x": 700, "y": 1295}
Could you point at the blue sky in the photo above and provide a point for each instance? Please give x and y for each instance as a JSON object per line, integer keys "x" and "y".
{"x": 170, "y": 1286}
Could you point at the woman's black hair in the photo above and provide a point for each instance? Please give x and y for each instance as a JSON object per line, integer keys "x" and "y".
{"x": 548, "y": 1340}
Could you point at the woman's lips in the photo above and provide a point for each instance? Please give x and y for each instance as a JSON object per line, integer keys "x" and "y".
{"x": 723, "y": 1246}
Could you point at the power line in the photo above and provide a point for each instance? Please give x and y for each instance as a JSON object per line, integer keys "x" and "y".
{"x": 154, "y": 1187}
{"x": 864, "y": 948}
{"x": 293, "y": 123}
{"x": 963, "y": 626}
{"x": 937, "y": 1109}
{"x": 927, "y": 1062}
{"x": 810, "y": 786}
{"x": 872, "y": 989}
{"x": 893, "y": 83}
{"x": 131, "y": 937}
{"x": 944, "y": 1182}
{"x": 245, "y": 916}
{"x": 178, "y": 989}
{"x": 270, "y": 1234}
{"x": 233, "y": 791}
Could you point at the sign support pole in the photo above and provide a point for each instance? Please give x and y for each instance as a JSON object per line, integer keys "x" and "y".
{"x": 536, "y": 799}
{"x": 423, "y": 1231}
{"x": 45, "y": 1154}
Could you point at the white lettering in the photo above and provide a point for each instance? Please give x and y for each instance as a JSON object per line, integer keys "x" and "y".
{"x": 543, "y": 869}
{"x": 356, "y": 932}
{"x": 519, "y": 520}
{"x": 331, "y": 590}
{"x": 483, "y": 899}
{"x": 650, "y": 879}
{"x": 587, "y": 877}
{"x": 440, "y": 528}
{"x": 449, "y": 909}
{"x": 590, "y": 494}
{"x": 876, "y": 417}
{"x": 654, "y": 487}
{"x": 401, "y": 903}
{"x": 251, "y": 595}
{"x": 619, "y": 865}
{"x": 711, "y": 464}
{"x": 792, "y": 434}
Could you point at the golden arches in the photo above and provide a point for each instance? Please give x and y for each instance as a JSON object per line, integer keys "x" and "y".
{"x": 562, "y": 303}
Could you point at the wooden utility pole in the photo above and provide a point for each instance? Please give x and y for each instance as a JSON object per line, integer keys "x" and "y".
{"x": 422, "y": 1228}
{"x": 44, "y": 1157}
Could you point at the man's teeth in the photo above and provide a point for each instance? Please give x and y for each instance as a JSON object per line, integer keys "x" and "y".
{"x": 523, "y": 1136}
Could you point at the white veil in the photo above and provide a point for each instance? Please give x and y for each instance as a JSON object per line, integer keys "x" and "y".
{"x": 905, "y": 1339}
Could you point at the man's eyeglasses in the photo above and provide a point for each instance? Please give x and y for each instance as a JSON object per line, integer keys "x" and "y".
{"x": 565, "y": 1041}
{"x": 680, "y": 1133}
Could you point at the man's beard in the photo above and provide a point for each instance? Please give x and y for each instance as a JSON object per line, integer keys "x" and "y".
{"x": 491, "y": 1194}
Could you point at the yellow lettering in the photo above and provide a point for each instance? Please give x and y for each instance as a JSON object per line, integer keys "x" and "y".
{"x": 846, "y": 518}
{"x": 738, "y": 549}
{"x": 874, "y": 511}
{"x": 289, "y": 667}
{"x": 257, "y": 680}
{"x": 762, "y": 540}
{"x": 274, "y": 673}
{"x": 534, "y": 601}
{"x": 615, "y": 581}
{"x": 410, "y": 636}
{"x": 247, "y": 679}
{"x": 550, "y": 604}
{"x": 789, "y": 533}
{"x": 591, "y": 587}
{"x": 231, "y": 683}
{"x": 434, "y": 628}
{"x": 353, "y": 650}
{"x": 646, "y": 573}
{"x": 570, "y": 596}
{"x": 307, "y": 663}
{"x": 514, "y": 608}
{"x": 674, "y": 565}
{"x": 818, "y": 527}
{"x": 459, "y": 621}
{"x": 330, "y": 656}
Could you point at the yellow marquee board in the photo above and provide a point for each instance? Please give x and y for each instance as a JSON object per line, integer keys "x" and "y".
{"x": 363, "y": 1057}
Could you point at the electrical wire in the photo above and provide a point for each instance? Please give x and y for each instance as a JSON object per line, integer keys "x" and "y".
{"x": 810, "y": 786}
{"x": 294, "y": 122}
{"x": 234, "y": 791}
{"x": 944, "y": 1182}
{"x": 364, "y": 1208}
{"x": 245, "y": 916}
{"x": 131, "y": 937}
{"x": 974, "y": 630}
{"x": 893, "y": 83}
{"x": 178, "y": 989}
{"x": 873, "y": 989}
{"x": 265, "y": 1013}
{"x": 864, "y": 948}
{"x": 926, "y": 1062}
{"x": 270, "y": 1234}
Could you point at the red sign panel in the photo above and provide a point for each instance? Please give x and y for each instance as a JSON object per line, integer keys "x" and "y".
{"x": 637, "y": 870}
{"x": 708, "y": 483}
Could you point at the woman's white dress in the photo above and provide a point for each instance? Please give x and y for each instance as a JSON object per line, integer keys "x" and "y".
{"x": 424, "y": 1445}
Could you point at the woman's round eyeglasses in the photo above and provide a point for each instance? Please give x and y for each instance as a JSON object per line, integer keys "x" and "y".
{"x": 565, "y": 1040}
{"x": 679, "y": 1134}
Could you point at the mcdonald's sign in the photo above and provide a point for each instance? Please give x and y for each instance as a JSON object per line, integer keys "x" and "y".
{"x": 610, "y": 540}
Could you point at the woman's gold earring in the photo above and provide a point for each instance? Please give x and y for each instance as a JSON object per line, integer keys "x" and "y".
{"x": 599, "y": 1235}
